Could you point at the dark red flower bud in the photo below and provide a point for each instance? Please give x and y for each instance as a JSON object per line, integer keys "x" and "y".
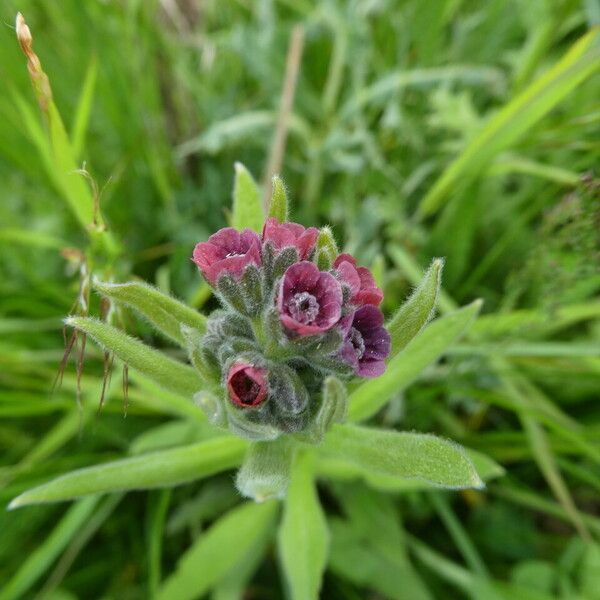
{"x": 227, "y": 251}
{"x": 247, "y": 385}
{"x": 363, "y": 288}
{"x": 367, "y": 343}
{"x": 285, "y": 235}
{"x": 309, "y": 300}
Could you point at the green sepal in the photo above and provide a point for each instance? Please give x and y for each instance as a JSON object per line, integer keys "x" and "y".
{"x": 326, "y": 250}
{"x": 265, "y": 472}
{"x": 208, "y": 370}
{"x": 212, "y": 407}
{"x": 231, "y": 293}
{"x": 287, "y": 392}
{"x": 251, "y": 284}
{"x": 254, "y": 424}
{"x": 284, "y": 259}
{"x": 279, "y": 201}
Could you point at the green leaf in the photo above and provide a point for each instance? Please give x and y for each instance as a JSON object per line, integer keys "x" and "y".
{"x": 303, "y": 537}
{"x": 168, "y": 373}
{"x": 517, "y": 117}
{"x": 326, "y": 249}
{"x": 414, "y": 314}
{"x": 37, "y": 562}
{"x": 279, "y": 201}
{"x": 163, "y": 312}
{"x": 218, "y": 550}
{"x": 405, "y": 367}
{"x": 157, "y": 469}
{"x": 265, "y": 471}
{"x": 403, "y": 455}
{"x": 338, "y": 468}
{"x": 247, "y": 205}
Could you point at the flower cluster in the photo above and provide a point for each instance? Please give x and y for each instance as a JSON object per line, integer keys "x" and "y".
{"x": 292, "y": 316}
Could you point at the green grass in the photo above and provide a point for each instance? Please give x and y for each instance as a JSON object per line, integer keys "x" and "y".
{"x": 448, "y": 128}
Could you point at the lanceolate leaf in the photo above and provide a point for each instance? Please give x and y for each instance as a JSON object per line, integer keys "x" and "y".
{"x": 508, "y": 125}
{"x": 218, "y": 550}
{"x": 303, "y": 537}
{"x": 247, "y": 205}
{"x": 414, "y": 314}
{"x": 168, "y": 373}
{"x": 403, "y": 455}
{"x": 404, "y": 368}
{"x": 337, "y": 467}
{"x": 157, "y": 469}
{"x": 165, "y": 313}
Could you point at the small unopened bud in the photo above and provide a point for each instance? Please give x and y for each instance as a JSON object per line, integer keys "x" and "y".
{"x": 326, "y": 251}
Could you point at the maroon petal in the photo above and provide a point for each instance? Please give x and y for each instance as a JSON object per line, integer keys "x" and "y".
{"x": 246, "y": 384}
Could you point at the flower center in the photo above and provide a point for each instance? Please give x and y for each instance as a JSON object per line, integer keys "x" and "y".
{"x": 357, "y": 341}
{"x": 303, "y": 307}
{"x": 234, "y": 254}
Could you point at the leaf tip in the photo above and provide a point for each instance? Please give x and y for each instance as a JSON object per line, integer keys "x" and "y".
{"x": 17, "y": 502}
{"x": 476, "y": 305}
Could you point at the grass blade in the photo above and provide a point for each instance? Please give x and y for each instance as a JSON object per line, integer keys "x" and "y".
{"x": 517, "y": 117}
{"x": 218, "y": 550}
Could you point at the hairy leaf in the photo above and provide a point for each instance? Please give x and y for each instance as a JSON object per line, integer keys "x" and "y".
{"x": 404, "y": 368}
{"x": 303, "y": 537}
{"x": 153, "y": 470}
{"x": 168, "y": 373}
{"x": 403, "y": 455}
{"x": 165, "y": 313}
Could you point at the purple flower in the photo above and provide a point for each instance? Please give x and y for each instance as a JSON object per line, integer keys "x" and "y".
{"x": 247, "y": 385}
{"x": 362, "y": 286}
{"x": 290, "y": 234}
{"x": 227, "y": 251}
{"x": 367, "y": 342}
{"x": 309, "y": 301}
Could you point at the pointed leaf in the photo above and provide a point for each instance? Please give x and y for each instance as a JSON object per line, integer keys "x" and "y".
{"x": 217, "y": 550}
{"x": 247, "y": 205}
{"x": 153, "y": 470}
{"x": 163, "y": 312}
{"x": 303, "y": 538}
{"x": 405, "y": 367}
{"x": 414, "y": 314}
{"x": 279, "y": 201}
{"x": 168, "y": 373}
{"x": 403, "y": 455}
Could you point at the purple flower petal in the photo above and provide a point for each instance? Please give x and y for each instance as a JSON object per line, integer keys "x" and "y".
{"x": 227, "y": 251}
{"x": 309, "y": 301}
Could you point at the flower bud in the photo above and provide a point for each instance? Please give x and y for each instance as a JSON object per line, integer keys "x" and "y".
{"x": 227, "y": 251}
{"x": 246, "y": 384}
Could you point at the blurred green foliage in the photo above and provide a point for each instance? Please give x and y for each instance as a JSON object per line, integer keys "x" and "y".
{"x": 453, "y": 128}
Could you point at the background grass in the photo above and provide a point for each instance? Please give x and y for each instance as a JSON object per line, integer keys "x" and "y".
{"x": 448, "y": 128}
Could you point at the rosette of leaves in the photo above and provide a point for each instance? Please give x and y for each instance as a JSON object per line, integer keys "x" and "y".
{"x": 286, "y": 406}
